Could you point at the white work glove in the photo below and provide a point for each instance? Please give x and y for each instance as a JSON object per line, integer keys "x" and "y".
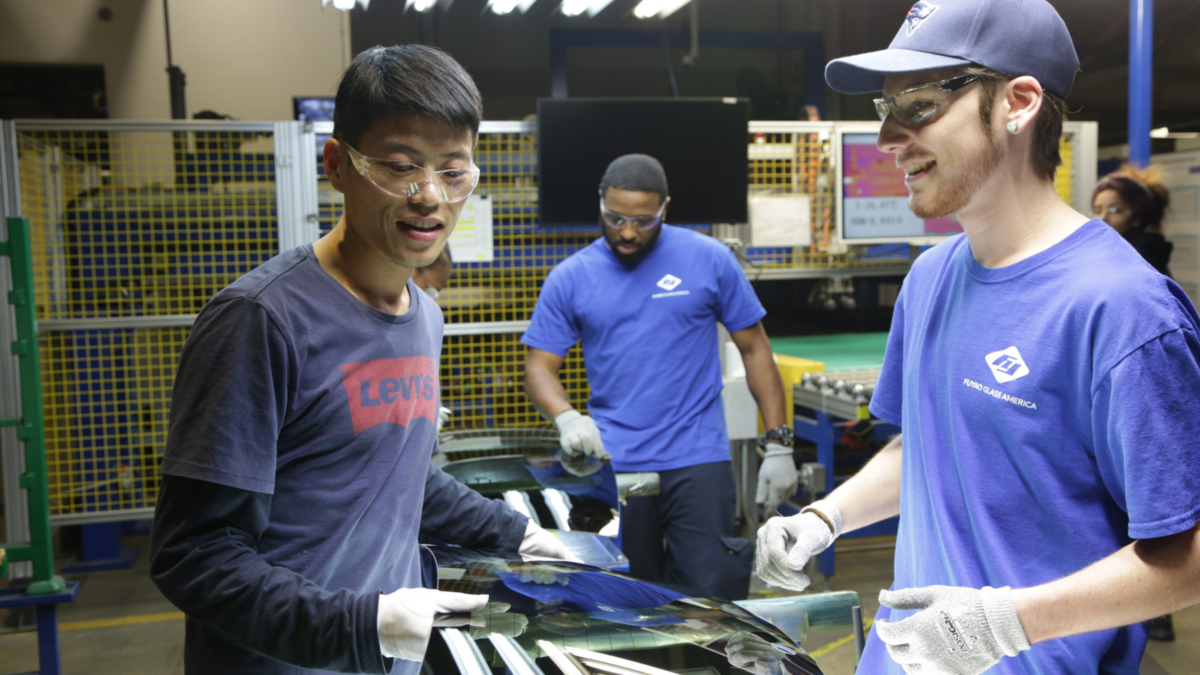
{"x": 582, "y": 451}
{"x": 786, "y": 544}
{"x": 406, "y": 618}
{"x": 777, "y": 477}
{"x": 444, "y": 414}
{"x": 495, "y": 619}
{"x": 962, "y": 631}
{"x": 539, "y": 543}
{"x": 748, "y": 652}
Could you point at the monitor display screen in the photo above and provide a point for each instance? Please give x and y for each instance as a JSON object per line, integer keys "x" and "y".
{"x": 313, "y": 108}
{"x": 875, "y": 198}
{"x": 702, "y": 144}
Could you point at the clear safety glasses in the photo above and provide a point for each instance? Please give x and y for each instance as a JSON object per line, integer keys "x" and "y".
{"x": 402, "y": 179}
{"x": 641, "y": 223}
{"x": 916, "y": 106}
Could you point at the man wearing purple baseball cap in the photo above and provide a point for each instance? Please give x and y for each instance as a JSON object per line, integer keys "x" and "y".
{"x": 1042, "y": 373}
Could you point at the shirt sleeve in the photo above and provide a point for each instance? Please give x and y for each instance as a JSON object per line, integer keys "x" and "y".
{"x": 554, "y": 327}
{"x": 887, "y": 402}
{"x": 456, "y": 514}
{"x": 203, "y": 558}
{"x": 1145, "y": 421}
{"x": 738, "y": 307}
{"x": 230, "y": 398}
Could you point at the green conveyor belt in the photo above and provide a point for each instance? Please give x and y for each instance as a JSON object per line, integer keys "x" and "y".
{"x": 856, "y": 351}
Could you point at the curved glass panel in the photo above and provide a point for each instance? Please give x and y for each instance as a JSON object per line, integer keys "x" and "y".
{"x": 570, "y": 618}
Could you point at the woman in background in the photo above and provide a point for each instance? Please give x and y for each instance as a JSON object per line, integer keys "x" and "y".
{"x": 1133, "y": 202}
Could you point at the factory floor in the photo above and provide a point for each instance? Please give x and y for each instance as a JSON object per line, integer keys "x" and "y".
{"x": 121, "y": 625}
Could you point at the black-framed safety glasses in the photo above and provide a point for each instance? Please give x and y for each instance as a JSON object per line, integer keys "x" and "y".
{"x": 641, "y": 223}
{"x": 402, "y": 179}
{"x": 917, "y": 105}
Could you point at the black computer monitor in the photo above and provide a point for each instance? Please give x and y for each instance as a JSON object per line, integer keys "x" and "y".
{"x": 701, "y": 142}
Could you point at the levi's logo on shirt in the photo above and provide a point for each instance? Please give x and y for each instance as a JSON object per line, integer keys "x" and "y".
{"x": 391, "y": 390}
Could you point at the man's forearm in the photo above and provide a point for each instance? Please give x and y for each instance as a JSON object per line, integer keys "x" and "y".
{"x": 873, "y": 494}
{"x": 762, "y": 376}
{"x": 203, "y": 558}
{"x": 1145, "y": 579}
{"x": 547, "y": 394}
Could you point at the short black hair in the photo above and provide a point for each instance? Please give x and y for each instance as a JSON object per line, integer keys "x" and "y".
{"x": 419, "y": 79}
{"x": 640, "y": 173}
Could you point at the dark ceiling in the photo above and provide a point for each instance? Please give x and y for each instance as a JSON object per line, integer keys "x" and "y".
{"x": 509, "y": 55}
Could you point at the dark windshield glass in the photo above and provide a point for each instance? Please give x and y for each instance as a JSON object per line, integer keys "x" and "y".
{"x": 579, "y": 619}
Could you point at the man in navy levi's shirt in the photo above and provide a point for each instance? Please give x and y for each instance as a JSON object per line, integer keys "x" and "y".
{"x": 644, "y": 301}
{"x": 1047, "y": 380}
{"x": 297, "y": 473}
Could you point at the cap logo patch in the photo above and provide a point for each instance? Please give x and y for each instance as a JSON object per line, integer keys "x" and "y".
{"x": 917, "y": 15}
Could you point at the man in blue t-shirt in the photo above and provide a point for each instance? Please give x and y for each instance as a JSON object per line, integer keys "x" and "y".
{"x": 644, "y": 301}
{"x": 297, "y": 474}
{"x": 1047, "y": 380}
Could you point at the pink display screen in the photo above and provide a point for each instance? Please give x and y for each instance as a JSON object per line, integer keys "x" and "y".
{"x": 875, "y": 198}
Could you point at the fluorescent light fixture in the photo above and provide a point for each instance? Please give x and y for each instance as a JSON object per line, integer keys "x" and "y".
{"x": 577, "y": 7}
{"x": 419, "y": 5}
{"x": 507, "y": 6}
{"x": 659, "y": 8}
{"x": 345, "y": 5}
{"x": 1161, "y": 132}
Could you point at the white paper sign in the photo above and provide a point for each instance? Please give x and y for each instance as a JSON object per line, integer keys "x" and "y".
{"x": 471, "y": 240}
{"x": 781, "y": 220}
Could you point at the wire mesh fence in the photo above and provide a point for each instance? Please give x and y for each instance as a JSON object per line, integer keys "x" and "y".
{"x": 136, "y": 226}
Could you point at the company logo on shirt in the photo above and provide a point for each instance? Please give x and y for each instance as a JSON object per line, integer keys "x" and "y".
{"x": 391, "y": 390}
{"x": 669, "y": 282}
{"x": 1007, "y": 365}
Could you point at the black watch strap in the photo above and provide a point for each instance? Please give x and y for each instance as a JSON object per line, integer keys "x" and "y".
{"x": 781, "y": 434}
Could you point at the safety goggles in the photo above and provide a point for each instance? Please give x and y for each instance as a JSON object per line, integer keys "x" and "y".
{"x": 916, "y": 106}
{"x": 402, "y": 179}
{"x": 641, "y": 223}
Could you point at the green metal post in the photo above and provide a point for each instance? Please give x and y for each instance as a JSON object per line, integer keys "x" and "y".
{"x": 31, "y": 428}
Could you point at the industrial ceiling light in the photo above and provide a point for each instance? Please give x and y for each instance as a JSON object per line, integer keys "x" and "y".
{"x": 507, "y": 6}
{"x": 658, "y": 8}
{"x": 419, "y": 5}
{"x": 577, "y": 7}
{"x": 345, "y": 5}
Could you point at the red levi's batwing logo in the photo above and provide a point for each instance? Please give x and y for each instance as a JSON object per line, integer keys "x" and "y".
{"x": 391, "y": 390}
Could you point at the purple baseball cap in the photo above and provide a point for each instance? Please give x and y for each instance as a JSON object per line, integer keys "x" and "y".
{"x": 1013, "y": 37}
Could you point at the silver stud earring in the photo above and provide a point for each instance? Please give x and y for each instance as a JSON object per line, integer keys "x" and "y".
{"x": 1013, "y": 127}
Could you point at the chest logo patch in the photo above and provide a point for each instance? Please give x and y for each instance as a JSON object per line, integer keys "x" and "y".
{"x": 669, "y": 282}
{"x": 1007, "y": 365}
{"x": 391, "y": 390}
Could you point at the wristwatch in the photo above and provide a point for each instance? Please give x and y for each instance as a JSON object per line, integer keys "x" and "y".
{"x": 781, "y": 434}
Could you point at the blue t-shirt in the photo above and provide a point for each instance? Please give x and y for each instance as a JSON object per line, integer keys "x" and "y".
{"x": 1048, "y": 410}
{"x": 649, "y": 339}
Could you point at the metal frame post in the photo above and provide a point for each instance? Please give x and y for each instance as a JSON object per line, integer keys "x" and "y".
{"x": 16, "y": 509}
{"x": 1141, "y": 79}
{"x": 30, "y": 427}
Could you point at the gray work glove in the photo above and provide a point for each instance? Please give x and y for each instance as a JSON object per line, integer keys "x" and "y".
{"x": 582, "y": 451}
{"x": 539, "y": 543}
{"x": 406, "y": 618}
{"x": 785, "y": 544}
{"x": 777, "y": 477}
{"x": 495, "y": 619}
{"x": 748, "y": 652}
{"x": 961, "y": 631}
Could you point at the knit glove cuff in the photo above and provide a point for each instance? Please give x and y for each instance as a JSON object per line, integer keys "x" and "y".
{"x": 1001, "y": 616}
